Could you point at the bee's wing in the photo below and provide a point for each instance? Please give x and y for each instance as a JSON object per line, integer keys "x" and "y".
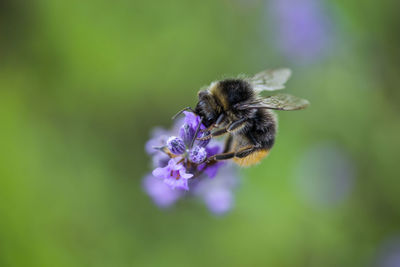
{"x": 278, "y": 102}
{"x": 270, "y": 80}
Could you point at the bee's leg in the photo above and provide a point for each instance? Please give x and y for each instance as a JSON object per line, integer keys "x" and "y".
{"x": 216, "y": 124}
{"x": 234, "y": 126}
{"x": 228, "y": 144}
{"x": 241, "y": 153}
{"x": 244, "y": 152}
{"x": 219, "y": 132}
{"x": 212, "y": 126}
{"x": 214, "y": 134}
{"x": 254, "y": 140}
{"x": 220, "y": 119}
{"x": 222, "y": 156}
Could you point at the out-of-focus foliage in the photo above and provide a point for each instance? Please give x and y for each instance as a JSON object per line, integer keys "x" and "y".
{"x": 83, "y": 82}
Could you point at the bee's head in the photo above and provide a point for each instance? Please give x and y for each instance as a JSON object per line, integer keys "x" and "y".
{"x": 207, "y": 108}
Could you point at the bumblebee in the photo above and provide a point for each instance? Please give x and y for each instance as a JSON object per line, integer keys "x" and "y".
{"x": 235, "y": 107}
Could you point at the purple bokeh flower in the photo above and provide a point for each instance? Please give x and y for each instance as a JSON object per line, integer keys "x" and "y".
{"x": 181, "y": 169}
{"x": 218, "y": 193}
{"x": 219, "y": 201}
{"x": 389, "y": 253}
{"x": 162, "y": 195}
{"x": 302, "y": 28}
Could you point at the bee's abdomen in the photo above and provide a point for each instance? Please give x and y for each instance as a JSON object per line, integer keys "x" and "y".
{"x": 251, "y": 159}
{"x": 263, "y": 130}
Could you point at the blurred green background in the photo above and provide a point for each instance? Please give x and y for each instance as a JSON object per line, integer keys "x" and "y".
{"x": 82, "y": 83}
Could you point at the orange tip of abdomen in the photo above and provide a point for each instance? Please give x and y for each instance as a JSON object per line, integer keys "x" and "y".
{"x": 252, "y": 158}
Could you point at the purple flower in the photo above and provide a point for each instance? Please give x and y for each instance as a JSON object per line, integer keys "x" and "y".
{"x": 189, "y": 129}
{"x": 197, "y": 154}
{"x": 160, "y": 159}
{"x": 158, "y": 138}
{"x": 217, "y": 193}
{"x": 180, "y": 167}
{"x": 302, "y": 28}
{"x": 203, "y": 143}
{"x": 389, "y": 253}
{"x": 212, "y": 170}
{"x": 186, "y": 132}
{"x": 174, "y": 174}
{"x": 162, "y": 195}
{"x": 192, "y": 120}
{"x": 219, "y": 201}
{"x": 176, "y": 145}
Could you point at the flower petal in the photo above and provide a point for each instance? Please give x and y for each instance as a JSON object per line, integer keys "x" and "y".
{"x": 211, "y": 151}
{"x": 186, "y": 132}
{"x": 184, "y": 174}
{"x": 174, "y": 165}
{"x": 191, "y": 119}
{"x": 174, "y": 183}
{"x": 212, "y": 170}
{"x": 162, "y": 195}
{"x": 161, "y": 172}
{"x": 219, "y": 201}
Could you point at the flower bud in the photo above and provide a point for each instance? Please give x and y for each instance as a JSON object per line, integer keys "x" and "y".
{"x": 186, "y": 132}
{"x": 197, "y": 154}
{"x": 176, "y": 145}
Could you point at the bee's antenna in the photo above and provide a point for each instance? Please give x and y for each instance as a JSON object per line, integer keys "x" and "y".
{"x": 196, "y": 133}
{"x": 181, "y": 111}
